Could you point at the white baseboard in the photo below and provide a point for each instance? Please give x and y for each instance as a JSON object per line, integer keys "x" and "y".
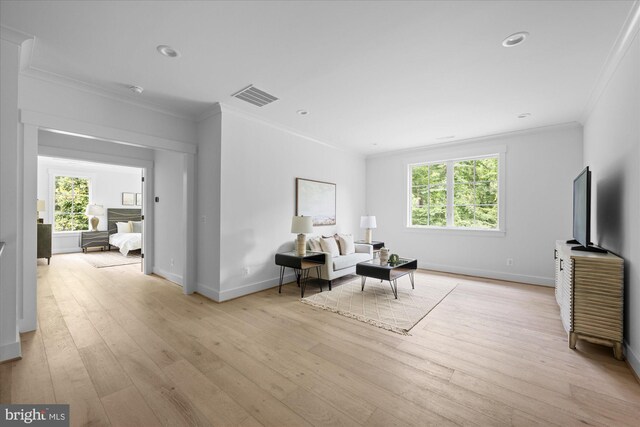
{"x": 10, "y": 351}
{"x": 632, "y": 358}
{"x": 228, "y": 294}
{"x": 175, "y": 278}
{"x": 208, "y": 292}
{"x": 499, "y": 275}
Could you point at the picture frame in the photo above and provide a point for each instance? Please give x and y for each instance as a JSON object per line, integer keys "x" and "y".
{"x": 128, "y": 199}
{"x": 316, "y": 199}
{"x": 138, "y": 199}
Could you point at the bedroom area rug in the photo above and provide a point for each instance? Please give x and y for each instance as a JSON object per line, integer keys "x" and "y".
{"x": 377, "y": 306}
{"x": 102, "y": 259}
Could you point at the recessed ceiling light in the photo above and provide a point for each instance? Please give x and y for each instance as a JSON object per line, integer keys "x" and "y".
{"x": 136, "y": 89}
{"x": 524, "y": 115}
{"x": 515, "y": 39}
{"x": 442, "y": 138}
{"x": 302, "y": 112}
{"x": 168, "y": 51}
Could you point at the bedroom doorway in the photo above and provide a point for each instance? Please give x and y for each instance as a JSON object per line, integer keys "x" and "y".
{"x": 95, "y": 208}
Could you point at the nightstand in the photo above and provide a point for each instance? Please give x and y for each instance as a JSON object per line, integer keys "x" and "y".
{"x": 94, "y": 239}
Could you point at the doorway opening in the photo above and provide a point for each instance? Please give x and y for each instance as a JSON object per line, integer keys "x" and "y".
{"x": 91, "y": 208}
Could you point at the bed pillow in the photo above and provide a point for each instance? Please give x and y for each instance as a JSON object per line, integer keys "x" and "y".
{"x": 136, "y": 226}
{"x": 123, "y": 227}
{"x": 328, "y": 244}
{"x": 346, "y": 244}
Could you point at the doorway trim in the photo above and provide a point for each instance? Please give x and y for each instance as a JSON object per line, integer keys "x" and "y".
{"x": 32, "y": 122}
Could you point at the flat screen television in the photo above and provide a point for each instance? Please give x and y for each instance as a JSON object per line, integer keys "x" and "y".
{"x": 582, "y": 212}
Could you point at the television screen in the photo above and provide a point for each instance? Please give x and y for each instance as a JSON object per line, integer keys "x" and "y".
{"x": 582, "y": 207}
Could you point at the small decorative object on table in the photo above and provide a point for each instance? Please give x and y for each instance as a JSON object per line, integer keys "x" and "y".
{"x": 393, "y": 259}
{"x": 384, "y": 255}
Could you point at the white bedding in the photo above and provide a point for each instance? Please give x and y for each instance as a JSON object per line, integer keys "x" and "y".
{"x": 126, "y": 241}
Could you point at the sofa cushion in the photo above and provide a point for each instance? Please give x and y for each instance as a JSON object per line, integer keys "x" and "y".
{"x": 346, "y": 261}
{"x": 346, "y": 244}
{"x": 329, "y": 244}
{"x": 314, "y": 244}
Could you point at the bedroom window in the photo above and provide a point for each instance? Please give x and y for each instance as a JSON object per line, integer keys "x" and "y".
{"x": 456, "y": 194}
{"x": 71, "y": 196}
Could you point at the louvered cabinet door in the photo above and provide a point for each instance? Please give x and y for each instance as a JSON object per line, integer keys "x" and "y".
{"x": 590, "y": 293}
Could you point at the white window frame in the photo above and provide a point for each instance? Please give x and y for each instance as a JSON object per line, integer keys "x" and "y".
{"x": 450, "y": 160}
{"x": 52, "y": 196}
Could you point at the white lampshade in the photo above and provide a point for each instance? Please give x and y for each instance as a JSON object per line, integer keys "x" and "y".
{"x": 40, "y": 206}
{"x": 368, "y": 221}
{"x": 94, "y": 210}
{"x": 301, "y": 224}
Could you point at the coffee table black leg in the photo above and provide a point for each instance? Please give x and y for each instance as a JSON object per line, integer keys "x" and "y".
{"x": 411, "y": 277}
{"x": 281, "y": 278}
{"x": 363, "y": 280}
{"x": 394, "y": 287}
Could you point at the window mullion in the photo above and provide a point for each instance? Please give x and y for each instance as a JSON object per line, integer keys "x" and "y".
{"x": 450, "y": 194}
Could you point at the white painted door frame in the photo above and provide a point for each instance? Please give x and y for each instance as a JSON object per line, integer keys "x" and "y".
{"x": 32, "y": 122}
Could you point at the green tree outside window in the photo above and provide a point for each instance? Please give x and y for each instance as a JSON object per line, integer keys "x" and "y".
{"x": 466, "y": 199}
{"x": 71, "y": 200}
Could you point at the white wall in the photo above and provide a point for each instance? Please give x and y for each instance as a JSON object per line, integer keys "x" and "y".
{"x": 260, "y": 163}
{"x": 108, "y": 182}
{"x": 9, "y": 65}
{"x": 208, "y": 205}
{"x": 612, "y": 150}
{"x": 169, "y": 239}
{"x": 82, "y": 104}
{"x": 540, "y": 167}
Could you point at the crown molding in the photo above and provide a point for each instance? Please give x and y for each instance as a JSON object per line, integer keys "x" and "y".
{"x": 13, "y": 36}
{"x": 627, "y": 35}
{"x": 215, "y": 110}
{"x": 453, "y": 144}
{"x": 70, "y": 82}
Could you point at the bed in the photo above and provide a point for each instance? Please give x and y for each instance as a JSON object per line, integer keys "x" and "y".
{"x": 125, "y": 242}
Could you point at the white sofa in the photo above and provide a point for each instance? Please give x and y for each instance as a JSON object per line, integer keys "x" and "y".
{"x": 343, "y": 264}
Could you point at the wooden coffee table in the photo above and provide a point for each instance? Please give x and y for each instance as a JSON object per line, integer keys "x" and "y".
{"x": 389, "y": 272}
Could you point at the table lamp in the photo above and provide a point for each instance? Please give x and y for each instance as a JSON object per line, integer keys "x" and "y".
{"x": 39, "y": 208}
{"x": 94, "y": 210}
{"x": 301, "y": 225}
{"x": 368, "y": 222}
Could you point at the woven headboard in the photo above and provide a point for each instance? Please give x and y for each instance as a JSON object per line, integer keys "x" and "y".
{"x": 121, "y": 215}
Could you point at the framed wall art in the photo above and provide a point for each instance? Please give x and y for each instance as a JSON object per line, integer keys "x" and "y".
{"x": 128, "y": 199}
{"x": 138, "y": 199}
{"x": 316, "y": 199}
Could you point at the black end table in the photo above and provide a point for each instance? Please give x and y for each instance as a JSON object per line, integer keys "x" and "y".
{"x": 388, "y": 271}
{"x": 301, "y": 265}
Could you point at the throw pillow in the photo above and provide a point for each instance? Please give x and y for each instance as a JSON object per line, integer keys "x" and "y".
{"x": 123, "y": 227}
{"x": 314, "y": 244}
{"x": 136, "y": 226}
{"x": 328, "y": 244}
{"x": 346, "y": 244}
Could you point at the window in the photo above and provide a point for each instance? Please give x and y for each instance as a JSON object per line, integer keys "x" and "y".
{"x": 460, "y": 194}
{"x": 71, "y": 196}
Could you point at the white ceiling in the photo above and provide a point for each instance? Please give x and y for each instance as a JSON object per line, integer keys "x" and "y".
{"x": 374, "y": 76}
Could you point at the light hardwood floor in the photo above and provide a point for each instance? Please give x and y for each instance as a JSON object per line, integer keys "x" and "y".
{"x": 127, "y": 349}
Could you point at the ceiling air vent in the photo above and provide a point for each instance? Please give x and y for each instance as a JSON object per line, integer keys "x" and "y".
{"x": 255, "y": 96}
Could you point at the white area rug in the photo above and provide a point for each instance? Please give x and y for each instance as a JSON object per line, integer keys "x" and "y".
{"x": 101, "y": 259}
{"x": 377, "y": 306}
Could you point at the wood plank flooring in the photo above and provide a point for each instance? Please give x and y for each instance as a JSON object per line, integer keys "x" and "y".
{"x": 127, "y": 349}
